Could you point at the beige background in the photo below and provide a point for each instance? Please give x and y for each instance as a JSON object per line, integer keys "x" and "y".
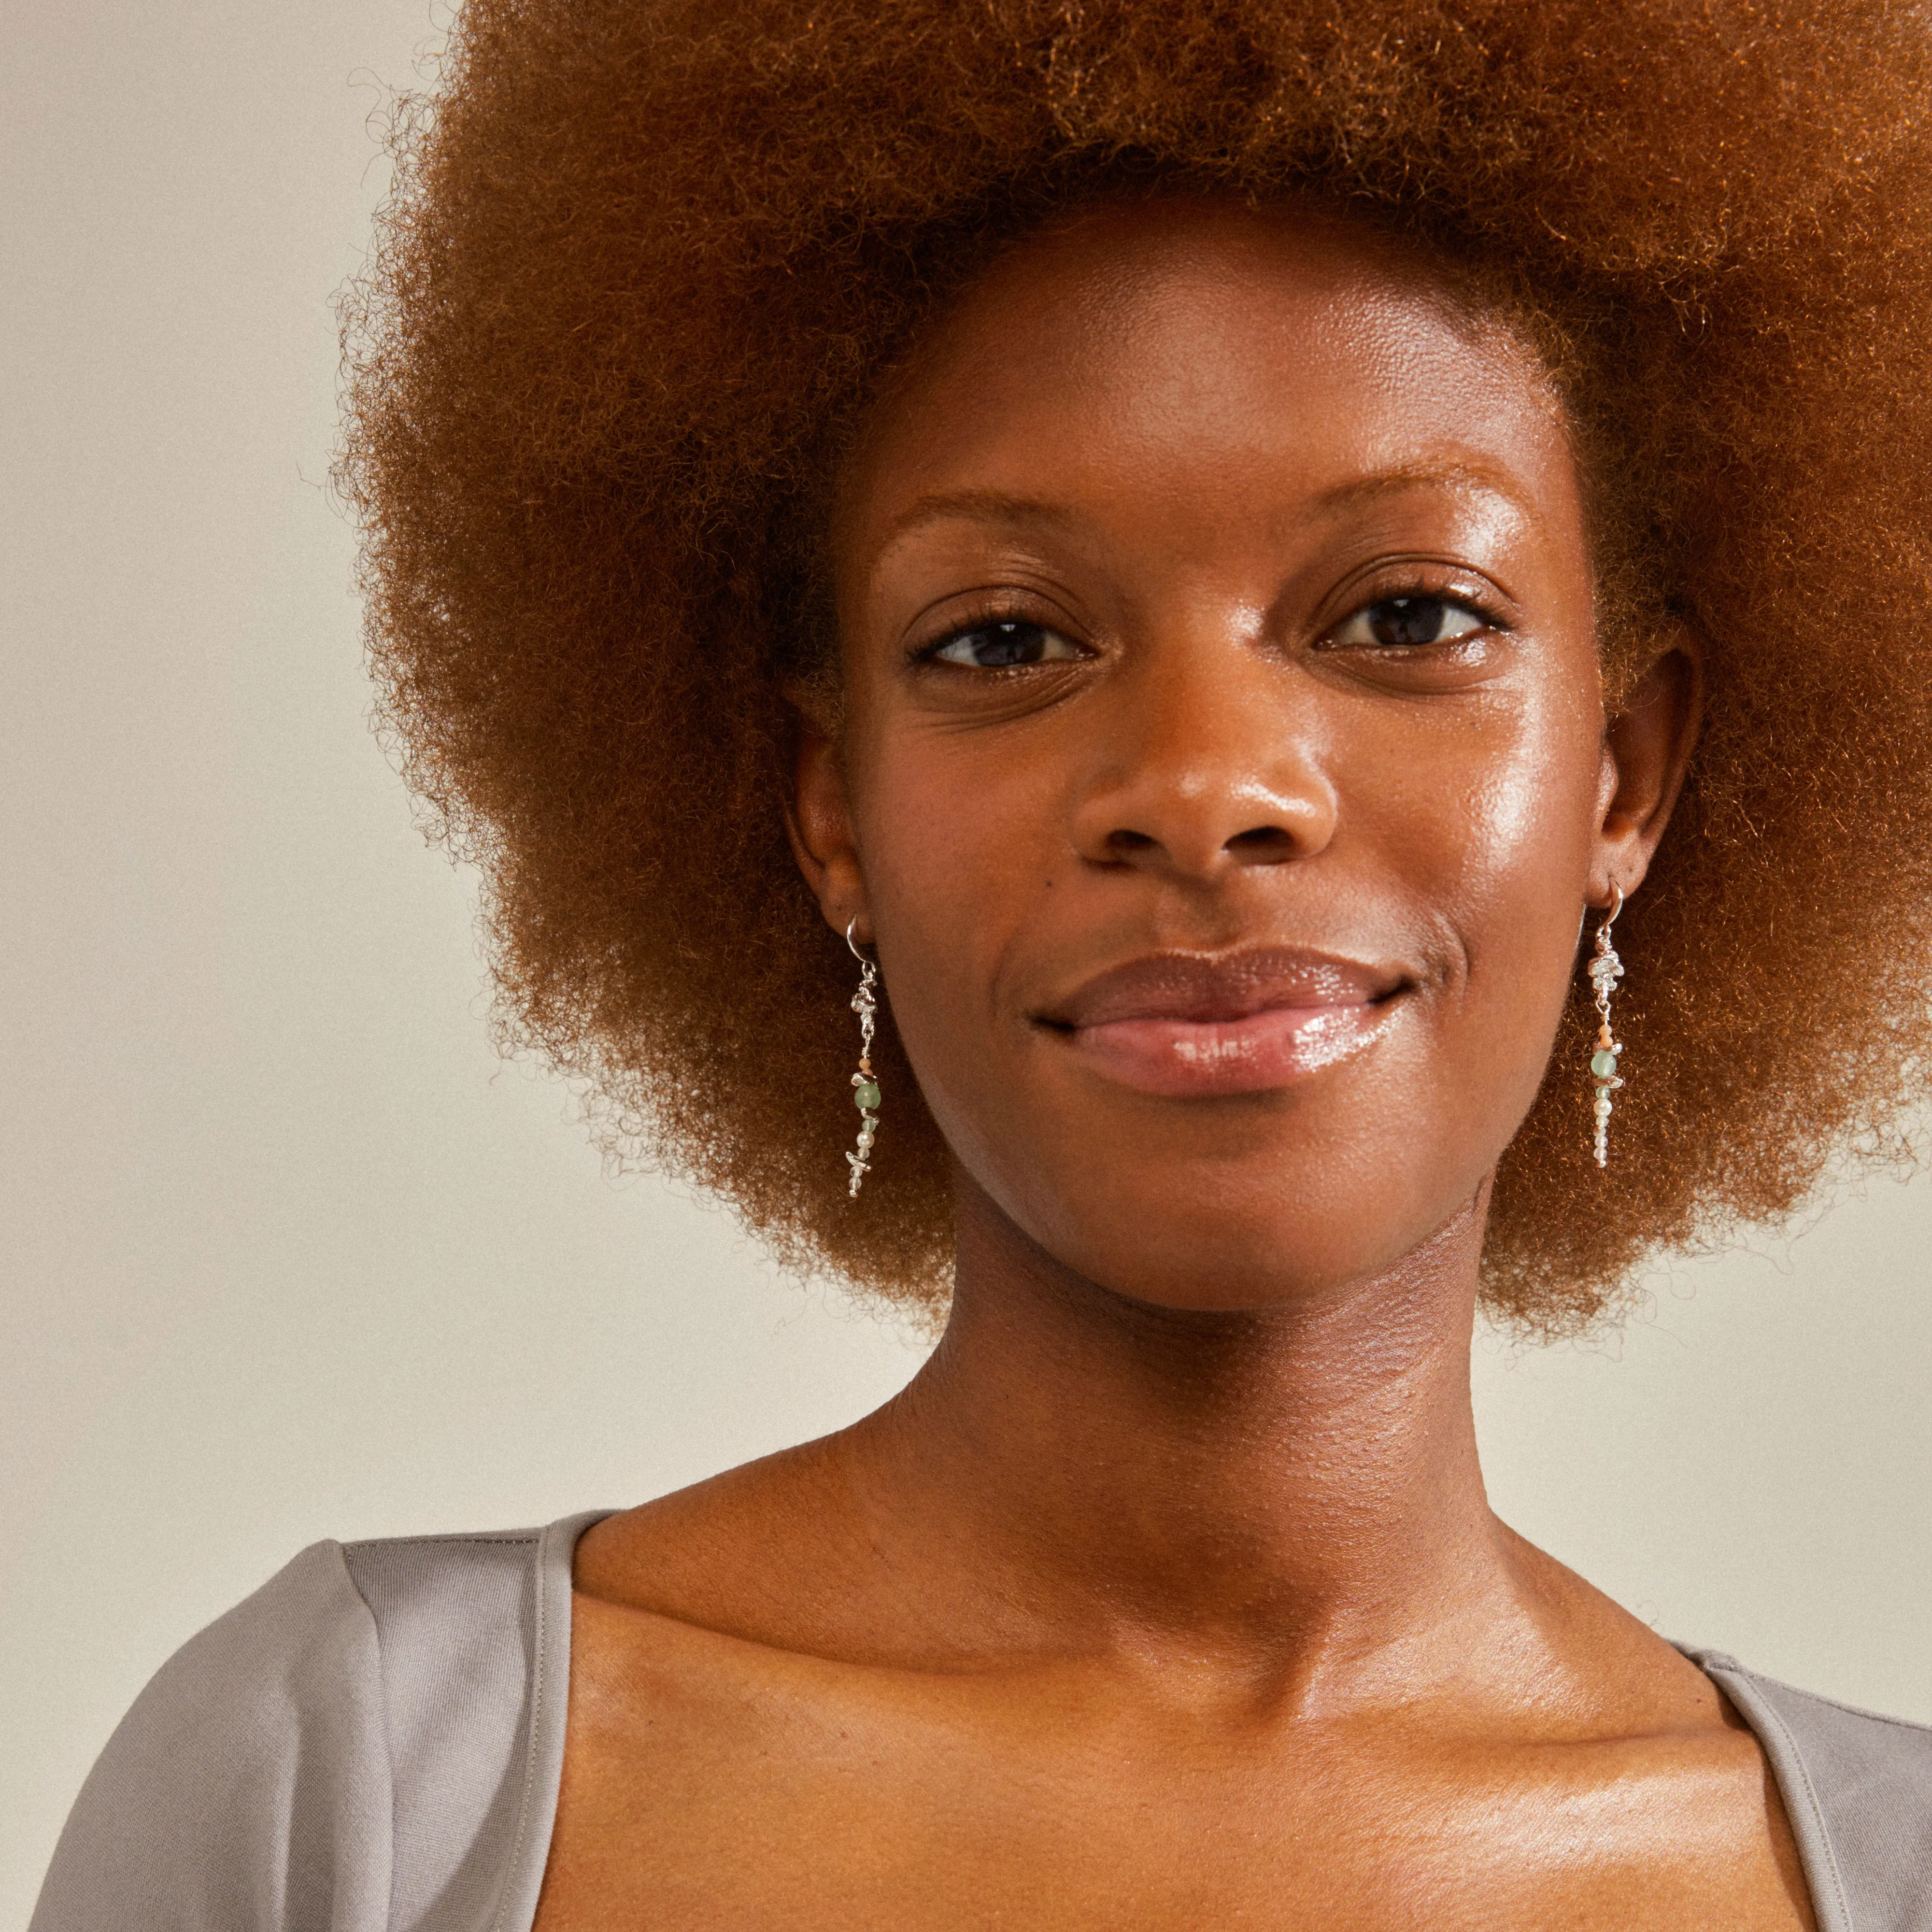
{"x": 287, "y": 1253}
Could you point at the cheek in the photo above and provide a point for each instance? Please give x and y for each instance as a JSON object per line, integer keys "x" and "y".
{"x": 1530, "y": 823}
{"x": 1505, "y": 869}
{"x": 962, "y": 842}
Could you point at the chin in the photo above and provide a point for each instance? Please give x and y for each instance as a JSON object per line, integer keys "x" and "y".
{"x": 1263, "y": 1202}
{"x": 1214, "y": 1257}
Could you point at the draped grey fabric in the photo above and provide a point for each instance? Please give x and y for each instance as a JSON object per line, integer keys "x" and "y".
{"x": 372, "y": 1743}
{"x": 1858, "y": 1789}
{"x": 369, "y": 1743}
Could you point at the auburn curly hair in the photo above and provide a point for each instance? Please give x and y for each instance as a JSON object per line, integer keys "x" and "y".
{"x": 642, "y": 264}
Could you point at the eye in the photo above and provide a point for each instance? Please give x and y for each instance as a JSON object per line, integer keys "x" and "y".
{"x": 1396, "y": 622}
{"x": 999, "y": 646}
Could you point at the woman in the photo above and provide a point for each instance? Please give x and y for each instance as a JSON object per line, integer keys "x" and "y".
{"x": 1218, "y": 543}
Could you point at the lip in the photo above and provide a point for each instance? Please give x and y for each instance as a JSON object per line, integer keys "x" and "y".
{"x": 1191, "y": 1025}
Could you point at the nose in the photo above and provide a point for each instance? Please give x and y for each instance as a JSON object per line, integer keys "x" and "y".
{"x": 1209, "y": 759}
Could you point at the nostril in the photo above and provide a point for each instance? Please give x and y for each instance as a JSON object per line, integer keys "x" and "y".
{"x": 1262, "y": 842}
{"x": 1122, "y": 842}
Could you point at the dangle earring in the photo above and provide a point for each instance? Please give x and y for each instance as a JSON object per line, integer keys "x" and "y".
{"x": 865, "y": 1083}
{"x": 1605, "y": 970}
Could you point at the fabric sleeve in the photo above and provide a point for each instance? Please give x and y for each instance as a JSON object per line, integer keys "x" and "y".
{"x": 1857, "y": 1787}
{"x": 248, "y": 1788}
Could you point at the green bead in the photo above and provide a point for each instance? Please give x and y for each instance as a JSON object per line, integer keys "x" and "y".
{"x": 1604, "y": 1063}
{"x": 865, "y": 1094}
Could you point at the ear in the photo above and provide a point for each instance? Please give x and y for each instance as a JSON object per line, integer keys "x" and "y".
{"x": 1647, "y": 746}
{"x": 818, "y": 819}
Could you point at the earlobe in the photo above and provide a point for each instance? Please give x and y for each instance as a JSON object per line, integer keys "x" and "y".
{"x": 818, "y": 821}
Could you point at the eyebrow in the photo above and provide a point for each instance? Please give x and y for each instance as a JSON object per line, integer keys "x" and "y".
{"x": 1472, "y": 474}
{"x": 983, "y": 506}
{"x": 997, "y": 506}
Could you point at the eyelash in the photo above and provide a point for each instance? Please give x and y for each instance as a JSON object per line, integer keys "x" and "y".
{"x": 992, "y": 615}
{"x": 1486, "y": 618}
{"x": 996, "y": 614}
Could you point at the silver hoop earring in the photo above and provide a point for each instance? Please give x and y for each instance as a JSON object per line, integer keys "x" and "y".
{"x": 865, "y": 1082}
{"x": 1605, "y": 970}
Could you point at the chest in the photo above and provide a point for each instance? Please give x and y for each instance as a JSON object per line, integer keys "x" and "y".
{"x": 688, "y": 1814}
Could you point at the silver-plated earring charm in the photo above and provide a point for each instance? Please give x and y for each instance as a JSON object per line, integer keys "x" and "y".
{"x": 1605, "y": 970}
{"x": 865, "y": 1082}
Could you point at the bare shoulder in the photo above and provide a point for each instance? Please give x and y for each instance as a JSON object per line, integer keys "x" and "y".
{"x": 1607, "y": 1671}
{"x": 766, "y": 1552}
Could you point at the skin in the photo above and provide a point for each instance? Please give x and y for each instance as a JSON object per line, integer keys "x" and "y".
{"x": 1168, "y": 1593}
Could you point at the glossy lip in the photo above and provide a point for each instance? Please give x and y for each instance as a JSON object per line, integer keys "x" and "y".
{"x": 1184, "y": 1024}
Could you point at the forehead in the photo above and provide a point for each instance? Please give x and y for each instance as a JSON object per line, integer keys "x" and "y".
{"x": 1213, "y": 362}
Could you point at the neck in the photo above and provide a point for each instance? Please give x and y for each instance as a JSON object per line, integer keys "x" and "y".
{"x": 1300, "y": 1479}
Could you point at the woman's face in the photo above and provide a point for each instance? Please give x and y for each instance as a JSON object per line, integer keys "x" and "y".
{"x": 1223, "y": 775}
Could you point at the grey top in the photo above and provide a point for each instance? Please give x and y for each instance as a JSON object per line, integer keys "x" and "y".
{"x": 372, "y": 1743}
